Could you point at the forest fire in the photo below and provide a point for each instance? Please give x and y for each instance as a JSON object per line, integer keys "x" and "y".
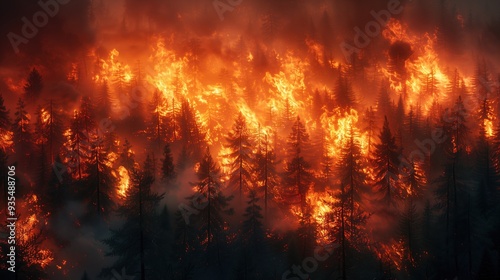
{"x": 162, "y": 140}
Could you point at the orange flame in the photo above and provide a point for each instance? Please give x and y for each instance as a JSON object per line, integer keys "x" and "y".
{"x": 124, "y": 181}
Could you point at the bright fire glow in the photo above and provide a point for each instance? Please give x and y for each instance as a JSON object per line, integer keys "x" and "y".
{"x": 124, "y": 181}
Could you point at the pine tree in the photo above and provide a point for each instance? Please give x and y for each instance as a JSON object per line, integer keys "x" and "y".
{"x": 298, "y": 177}
{"x": 100, "y": 182}
{"x": 452, "y": 190}
{"x": 344, "y": 95}
{"x": 22, "y": 135}
{"x": 184, "y": 160}
{"x": 77, "y": 146}
{"x": 351, "y": 174}
{"x": 411, "y": 126}
{"x": 369, "y": 120}
{"x": 482, "y": 80}
{"x": 214, "y": 203}
{"x": 54, "y": 129}
{"x": 190, "y": 131}
{"x": 252, "y": 227}
{"x": 185, "y": 247}
{"x": 253, "y": 253}
{"x": 453, "y": 87}
{"x": 431, "y": 86}
{"x": 265, "y": 170}
{"x": 287, "y": 114}
{"x": 386, "y": 165}
{"x": 157, "y": 128}
{"x": 410, "y": 222}
{"x": 135, "y": 242}
{"x": 57, "y": 188}
{"x": 104, "y": 100}
{"x": 487, "y": 172}
{"x": 168, "y": 168}
{"x": 34, "y": 85}
{"x": 240, "y": 155}
{"x": 87, "y": 115}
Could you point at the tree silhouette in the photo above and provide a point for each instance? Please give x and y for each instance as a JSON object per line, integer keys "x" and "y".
{"x": 34, "y": 86}
{"x": 22, "y": 135}
{"x": 386, "y": 165}
{"x": 213, "y": 203}
{"x": 136, "y": 241}
{"x": 240, "y": 155}
{"x": 297, "y": 176}
{"x": 100, "y": 181}
{"x": 168, "y": 168}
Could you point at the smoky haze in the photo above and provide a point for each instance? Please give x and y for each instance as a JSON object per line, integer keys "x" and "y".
{"x": 84, "y": 31}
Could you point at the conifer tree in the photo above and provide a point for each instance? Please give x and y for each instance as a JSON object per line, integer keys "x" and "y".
{"x": 352, "y": 177}
{"x": 136, "y": 241}
{"x": 369, "y": 120}
{"x": 452, "y": 189}
{"x": 22, "y": 135}
{"x": 252, "y": 227}
{"x": 54, "y": 129}
{"x": 487, "y": 170}
{"x": 386, "y": 163}
{"x": 100, "y": 182}
{"x": 213, "y": 203}
{"x": 86, "y": 115}
{"x": 34, "y": 85}
{"x": 265, "y": 169}
{"x": 190, "y": 131}
{"x": 240, "y": 155}
{"x": 344, "y": 95}
{"x": 104, "y": 100}
{"x": 298, "y": 177}
{"x": 410, "y": 220}
{"x": 168, "y": 168}
{"x": 77, "y": 146}
{"x": 157, "y": 128}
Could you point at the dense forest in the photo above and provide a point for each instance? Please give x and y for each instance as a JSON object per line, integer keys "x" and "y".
{"x": 252, "y": 140}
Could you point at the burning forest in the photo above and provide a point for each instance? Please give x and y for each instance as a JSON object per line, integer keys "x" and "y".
{"x": 250, "y": 139}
